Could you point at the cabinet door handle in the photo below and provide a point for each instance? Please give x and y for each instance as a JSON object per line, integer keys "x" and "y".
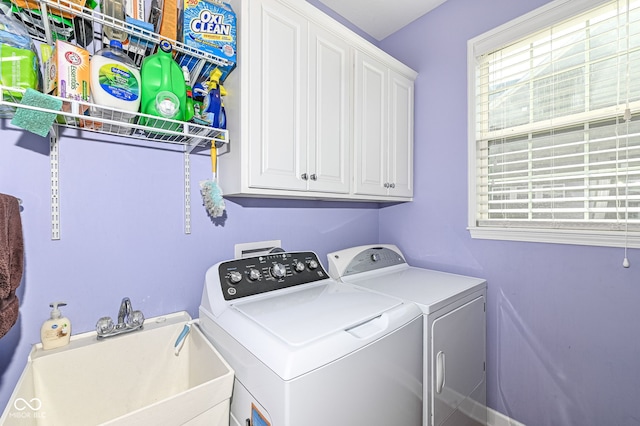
{"x": 304, "y": 176}
{"x": 393, "y": 185}
{"x": 386, "y": 184}
{"x": 440, "y": 371}
{"x": 314, "y": 177}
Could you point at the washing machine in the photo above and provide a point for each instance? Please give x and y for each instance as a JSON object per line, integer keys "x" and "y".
{"x": 309, "y": 351}
{"x": 454, "y": 337}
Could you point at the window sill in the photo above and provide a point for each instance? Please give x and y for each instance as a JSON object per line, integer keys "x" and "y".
{"x": 558, "y": 236}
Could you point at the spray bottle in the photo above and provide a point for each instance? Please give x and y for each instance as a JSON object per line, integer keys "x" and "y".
{"x": 213, "y": 108}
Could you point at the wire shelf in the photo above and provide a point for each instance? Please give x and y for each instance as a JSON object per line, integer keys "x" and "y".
{"x": 111, "y": 121}
{"x": 82, "y": 26}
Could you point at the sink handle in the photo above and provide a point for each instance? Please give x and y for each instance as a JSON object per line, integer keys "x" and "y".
{"x": 104, "y": 326}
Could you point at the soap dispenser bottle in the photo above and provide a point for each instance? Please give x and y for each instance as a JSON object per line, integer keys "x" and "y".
{"x": 56, "y": 331}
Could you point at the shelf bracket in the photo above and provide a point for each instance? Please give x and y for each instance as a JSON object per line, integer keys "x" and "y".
{"x": 55, "y": 190}
{"x": 187, "y": 191}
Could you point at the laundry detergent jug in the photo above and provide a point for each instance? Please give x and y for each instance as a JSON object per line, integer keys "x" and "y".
{"x": 163, "y": 91}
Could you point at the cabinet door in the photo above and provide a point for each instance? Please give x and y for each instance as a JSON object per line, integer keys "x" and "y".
{"x": 329, "y": 126}
{"x": 400, "y": 135}
{"x": 370, "y": 125}
{"x": 278, "y": 90}
{"x": 458, "y": 363}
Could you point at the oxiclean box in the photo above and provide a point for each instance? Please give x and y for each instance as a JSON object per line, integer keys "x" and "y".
{"x": 210, "y": 26}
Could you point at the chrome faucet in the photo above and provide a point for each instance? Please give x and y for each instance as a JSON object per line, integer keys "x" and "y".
{"x": 125, "y": 310}
{"x": 128, "y": 320}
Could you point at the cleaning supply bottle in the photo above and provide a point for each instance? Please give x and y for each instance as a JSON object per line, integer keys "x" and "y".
{"x": 56, "y": 331}
{"x": 114, "y": 9}
{"x": 189, "y": 109}
{"x": 213, "y": 110}
{"x": 164, "y": 92}
{"x": 115, "y": 82}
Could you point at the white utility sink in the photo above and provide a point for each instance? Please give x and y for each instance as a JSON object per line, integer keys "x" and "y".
{"x": 131, "y": 379}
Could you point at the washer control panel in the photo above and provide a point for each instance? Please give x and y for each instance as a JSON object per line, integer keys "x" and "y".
{"x": 260, "y": 274}
{"x": 363, "y": 259}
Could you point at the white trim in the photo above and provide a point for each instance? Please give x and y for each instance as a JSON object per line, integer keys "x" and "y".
{"x": 558, "y": 236}
{"x": 471, "y": 135}
{"x": 496, "y": 418}
{"x": 529, "y": 23}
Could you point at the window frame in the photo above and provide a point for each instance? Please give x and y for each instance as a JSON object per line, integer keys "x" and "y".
{"x": 547, "y": 15}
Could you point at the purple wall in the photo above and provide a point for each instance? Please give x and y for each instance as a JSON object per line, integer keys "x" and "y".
{"x": 563, "y": 321}
{"x": 122, "y": 233}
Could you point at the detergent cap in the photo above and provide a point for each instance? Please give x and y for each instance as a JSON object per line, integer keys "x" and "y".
{"x": 165, "y": 46}
{"x": 167, "y": 104}
{"x": 55, "y": 312}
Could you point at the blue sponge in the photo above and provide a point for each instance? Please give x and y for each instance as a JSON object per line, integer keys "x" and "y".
{"x": 38, "y": 122}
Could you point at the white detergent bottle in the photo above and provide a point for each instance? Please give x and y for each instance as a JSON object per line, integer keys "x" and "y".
{"x": 56, "y": 331}
{"x": 115, "y": 83}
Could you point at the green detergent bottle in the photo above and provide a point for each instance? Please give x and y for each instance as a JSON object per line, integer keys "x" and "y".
{"x": 163, "y": 91}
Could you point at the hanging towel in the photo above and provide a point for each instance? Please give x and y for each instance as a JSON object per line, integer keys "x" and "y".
{"x": 11, "y": 260}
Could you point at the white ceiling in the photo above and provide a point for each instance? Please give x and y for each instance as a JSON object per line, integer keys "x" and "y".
{"x": 381, "y": 18}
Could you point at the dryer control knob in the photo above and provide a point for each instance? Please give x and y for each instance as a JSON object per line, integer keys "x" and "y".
{"x": 254, "y": 274}
{"x": 375, "y": 257}
{"x": 299, "y": 266}
{"x": 278, "y": 270}
{"x": 235, "y": 277}
{"x": 313, "y": 264}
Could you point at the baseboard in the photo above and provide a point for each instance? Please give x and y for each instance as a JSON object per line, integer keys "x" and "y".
{"x": 496, "y": 418}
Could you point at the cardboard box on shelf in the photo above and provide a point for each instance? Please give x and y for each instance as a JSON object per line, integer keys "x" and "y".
{"x": 66, "y": 74}
{"x": 210, "y": 26}
{"x": 169, "y": 19}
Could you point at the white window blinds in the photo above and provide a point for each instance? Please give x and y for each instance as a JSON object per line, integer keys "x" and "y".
{"x": 557, "y": 125}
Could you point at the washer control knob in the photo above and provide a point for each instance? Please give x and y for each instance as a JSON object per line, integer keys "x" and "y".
{"x": 235, "y": 277}
{"x": 299, "y": 266}
{"x": 254, "y": 274}
{"x": 278, "y": 270}
{"x": 375, "y": 257}
{"x": 313, "y": 264}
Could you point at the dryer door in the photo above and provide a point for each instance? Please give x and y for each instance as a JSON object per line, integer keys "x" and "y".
{"x": 458, "y": 365}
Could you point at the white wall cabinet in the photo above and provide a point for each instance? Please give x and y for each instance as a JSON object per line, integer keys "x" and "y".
{"x": 329, "y": 156}
{"x": 383, "y": 129}
{"x": 291, "y": 107}
{"x": 277, "y": 107}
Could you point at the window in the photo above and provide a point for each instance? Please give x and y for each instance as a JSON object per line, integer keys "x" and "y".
{"x": 554, "y": 126}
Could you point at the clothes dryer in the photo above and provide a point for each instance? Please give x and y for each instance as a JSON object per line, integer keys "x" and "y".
{"x": 454, "y": 339}
{"x": 309, "y": 351}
